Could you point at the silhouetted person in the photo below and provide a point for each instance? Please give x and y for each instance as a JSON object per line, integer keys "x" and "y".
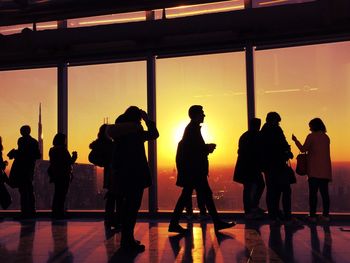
{"x": 193, "y": 172}
{"x": 275, "y": 153}
{"x": 102, "y": 147}
{"x": 131, "y": 174}
{"x": 3, "y": 163}
{"x": 319, "y": 167}
{"x": 22, "y": 170}
{"x": 60, "y": 173}
{"x": 5, "y": 198}
{"x": 248, "y": 170}
{"x": 200, "y": 199}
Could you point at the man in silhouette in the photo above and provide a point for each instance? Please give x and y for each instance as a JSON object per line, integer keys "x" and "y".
{"x": 23, "y": 170}
{"x": 193, "y": 171}
{"x": 248, "y": 170}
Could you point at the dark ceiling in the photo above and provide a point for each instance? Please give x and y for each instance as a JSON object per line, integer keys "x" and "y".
{"x": 28, "y": 11}
{"x": 308, "y": 23}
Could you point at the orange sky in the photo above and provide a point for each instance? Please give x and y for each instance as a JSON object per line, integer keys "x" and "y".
{"x": 300, "y": 83}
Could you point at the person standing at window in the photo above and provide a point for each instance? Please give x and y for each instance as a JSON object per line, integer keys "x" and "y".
{"x": 101, "y": 155}
{"x": 275, "y": 152}
{"x": 60, "y": 173}
{"x": 22, "y": 170}
{"x": 319, "y": 169}
{"x": 248, "y": 170}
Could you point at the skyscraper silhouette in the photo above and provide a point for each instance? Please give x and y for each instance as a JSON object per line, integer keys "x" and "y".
{"x": 40, "y": 135}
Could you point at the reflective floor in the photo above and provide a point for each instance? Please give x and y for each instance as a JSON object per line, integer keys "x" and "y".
{"x": 88, "y": 241}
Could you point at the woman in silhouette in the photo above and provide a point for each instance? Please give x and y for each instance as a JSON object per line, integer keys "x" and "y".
{"x": 60, "y": 172}
{"x": 103, "y": 149}
{"x": 319, "y": 169}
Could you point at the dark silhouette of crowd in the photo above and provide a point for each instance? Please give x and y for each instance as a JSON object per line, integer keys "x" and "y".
{"x": 263, "y": 163}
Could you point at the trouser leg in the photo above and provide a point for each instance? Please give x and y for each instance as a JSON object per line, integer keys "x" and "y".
{"x": 180, "y": 204}
{"x": 325, "y": 196}
{"x": 61, "y": 189}
{"x": 204, "y": 189}
{"x": 313, "y": 188}
{"x": 109, "y": 206}
{"x": 201, "y": 203}
{"x": 247, "y": 196}
{"x": 272, "y": 198}
{"x": 287, "y": 201}
{"x": 132, "y": 203}
{"x": 259, "y": 190}
{"x": 27, "y": 197}
{"x": 189, "y": 207}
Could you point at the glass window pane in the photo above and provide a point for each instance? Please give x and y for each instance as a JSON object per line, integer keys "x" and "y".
{"x": 201, "y": 9}
{"x": 265, "y": 3}
{"x": 107, "y": 19}
{"x": 217, "y": 82}
{"x": 22, "y": 93}
{"x": 9, "y": 30}
{"x": 97, "y": 94}
{"x": 302, "y": 83}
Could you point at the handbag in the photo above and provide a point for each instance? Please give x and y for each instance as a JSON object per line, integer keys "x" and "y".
{"x": 287, "y": 175}
{"x": 301, "y": 168}
{"x": 290, "y": 173}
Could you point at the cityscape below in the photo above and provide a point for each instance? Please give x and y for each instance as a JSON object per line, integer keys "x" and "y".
{"x": 86, "y": 190}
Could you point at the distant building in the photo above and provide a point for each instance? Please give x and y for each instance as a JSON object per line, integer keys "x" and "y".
{"x": 83, "y": 192}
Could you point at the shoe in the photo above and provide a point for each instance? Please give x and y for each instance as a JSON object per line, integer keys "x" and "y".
{"x": 191, "y": 216}
{"x": 323, "y": 219}
{"x": 219, "y": 225}
{"x": 259, "y": 210}
{"x": 253, "y": 216}
{"x": 61, "y": 217}
{"x": 109, "y": 223}
{"x": 293, "y": 222}
{"x": 204, "y": 217}
{"x": 176, "y": 228}
{"x": 275, "y": 222}
{"x": 133, "y": 247}
{"x": 311, "y": 219}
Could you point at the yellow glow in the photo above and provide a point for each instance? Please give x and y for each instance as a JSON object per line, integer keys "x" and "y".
{"x": 111, "y": 21}
{"x": 282, "y": 91}
{"x": 13, "y": 29}
{"x": 198, "y": 247}
{"x": 272, "y": 2}
{"x": 178, "y": 131}
{"x": 47, "y": 26}
{"x": 199, "y": 12}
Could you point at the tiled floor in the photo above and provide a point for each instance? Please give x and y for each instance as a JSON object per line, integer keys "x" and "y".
{"x": 87, "y": 241}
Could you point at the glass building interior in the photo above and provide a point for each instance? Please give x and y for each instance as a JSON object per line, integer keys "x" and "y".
{"x": 69, "y": 66}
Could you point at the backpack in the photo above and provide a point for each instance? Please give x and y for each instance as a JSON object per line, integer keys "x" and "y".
{"x": 100, "y": 154}
{"x": 180, "y": 158}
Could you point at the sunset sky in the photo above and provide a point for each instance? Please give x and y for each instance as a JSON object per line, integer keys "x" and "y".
{"x": 299, "y": 83}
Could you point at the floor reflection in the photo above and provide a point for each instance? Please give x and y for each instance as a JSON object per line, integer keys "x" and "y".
{"x": 317, "y": 254}
{"x": 89, "y": 241}
{"x": 61, "y": 252}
